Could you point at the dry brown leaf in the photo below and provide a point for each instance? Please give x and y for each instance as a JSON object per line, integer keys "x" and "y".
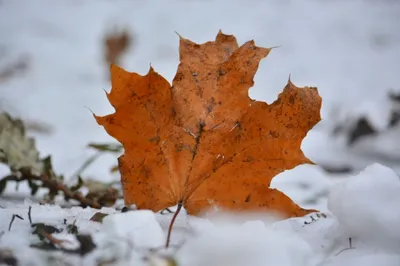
{"x": 115, "y": 44}
{"x": 98, "y": 217}
{"x": 202, "y": 142}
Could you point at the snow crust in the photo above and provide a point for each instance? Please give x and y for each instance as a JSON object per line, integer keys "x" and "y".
{"x": 126, "y": 225}
{"x": 364, "y": 207}
{"x": 367, "y": 207}
{"x": 351, "y": 56}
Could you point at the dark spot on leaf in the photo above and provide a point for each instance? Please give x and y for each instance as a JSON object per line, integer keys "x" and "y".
{"x": 221, "y": 72}
{"x": 155, "y": 139}
{"x": 273, "y": 134}
{"x": 248, "y": 198}
{"x": 249, "y": 159}
{"x": 211, "y": 104}
{"x": 173, "y": 112}
{"x": 291, "y": 99}
{"x": 199, "y": 91}
{"x": 178, "y": 76}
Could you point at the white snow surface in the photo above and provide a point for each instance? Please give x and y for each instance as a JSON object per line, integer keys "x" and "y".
{"x": 351, "y": 56}
{"x": 376, "y": 190}
{"x": 348, "y": 49}
{"x": 117, "y": 226}
{"x": 364, "y": 208}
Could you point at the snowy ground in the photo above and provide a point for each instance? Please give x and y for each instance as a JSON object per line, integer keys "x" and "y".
{"x": 348, "y": 49}
{"x": 365, "y": 208}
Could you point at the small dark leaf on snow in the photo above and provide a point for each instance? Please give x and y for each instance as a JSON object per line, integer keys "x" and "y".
{"x": 87, "y": 244}
{"x": 44, "y": 246}
{"x": 3, "y": 184}
{"x": 98, "y": 217}
{"x": 41, "y": 227}
{"x": 7, "y": 258}
{"x": 129, "y": 208}
{"x": 72, "y": 229}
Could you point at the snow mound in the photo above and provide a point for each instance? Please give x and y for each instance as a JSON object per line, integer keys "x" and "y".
{"x": 364, "y": 258}
{"x": 250, "y": 244}
{"x": 140, "y": 227}
{"x": 367, "y": 207}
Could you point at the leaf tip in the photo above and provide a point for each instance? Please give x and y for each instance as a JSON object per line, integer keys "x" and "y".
{"x": 99, "y": 119}
{"x": 117, "y": 71}
{"x": 90, "y": 110}
{"x": 226, "y": 38}
{"x": 151, "y": 69}
{"x": 106, "y": 92}
{"x": 275, "y": 47}
{"x": 290, "y": 83}
{"x": 113, "y": 67}
{"x": 308, "y": 161}
{"x": 180, "y": 36}
{"x": 221, "y": 35}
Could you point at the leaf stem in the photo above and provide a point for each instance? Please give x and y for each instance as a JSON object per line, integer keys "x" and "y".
{"x": 172, "y": 223}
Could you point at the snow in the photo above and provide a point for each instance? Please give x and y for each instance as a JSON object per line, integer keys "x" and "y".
{"x": 381, "y": 146}
{"x": 364, "y": 207}
{"x": 377, "y": 112}
{"x": 245, "y": 245}
{"x": 367, "y": 207}
{"x": 348, "y": 49}
{"x": 321, "y": 44}
{"x": 303, "y": 178}
{"x": 366, "y": 258}
{"x": 126, "y": 225}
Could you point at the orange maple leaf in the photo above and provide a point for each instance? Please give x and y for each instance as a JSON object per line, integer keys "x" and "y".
{"x": 202, "y": 142}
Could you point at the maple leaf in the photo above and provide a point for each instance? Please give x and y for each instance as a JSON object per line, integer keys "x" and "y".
{"x": 202, "y": 142}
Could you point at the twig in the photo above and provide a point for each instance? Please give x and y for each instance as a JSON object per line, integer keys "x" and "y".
{"x": 350, "y": 247}
{"x": 12, "y": 220}
{"x": 52, "y": 239}
{"x": 172, "y": 223}
{"x": 55, "y": 185}
{"x": 29, "y": 214}
{"x": 166, "y": 209}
